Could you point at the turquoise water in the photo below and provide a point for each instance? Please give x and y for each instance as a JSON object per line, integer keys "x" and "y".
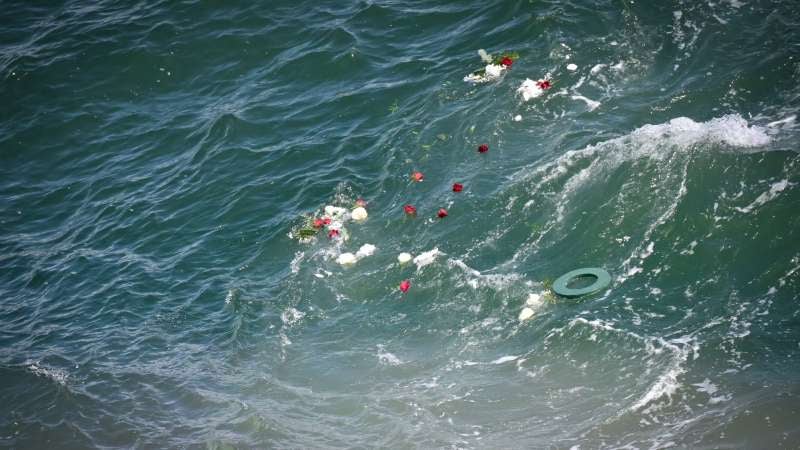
{"x": 156, "y": 157}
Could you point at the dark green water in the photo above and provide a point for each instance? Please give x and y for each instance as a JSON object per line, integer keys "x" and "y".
{"x": 155, "y": 157}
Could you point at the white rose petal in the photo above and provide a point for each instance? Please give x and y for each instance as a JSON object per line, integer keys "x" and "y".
{"x": 572, "y": 67}
{"x": 517, "y": 118}
{"x": 404, "y": 258}
{"x": 359, "y": 214}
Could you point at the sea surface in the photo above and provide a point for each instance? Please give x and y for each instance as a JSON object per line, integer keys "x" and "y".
{"x": 158, "y": 159}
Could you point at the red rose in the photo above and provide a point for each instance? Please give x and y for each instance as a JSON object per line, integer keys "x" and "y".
{"x": 458, "y": 187}
{"x": 318, "y": 223}
{"x": 483, "y": 148}
{"x": 417, "y": 176}
{"x": 410, "y": 210}
{"x": 442, "y": 213}
{"x": 404, "y": 285}
{"x": 326, "y": 221}
{"x": 333, "y": 233}
{"x": 507, "y": 62}
{"x": 544, "y": 84}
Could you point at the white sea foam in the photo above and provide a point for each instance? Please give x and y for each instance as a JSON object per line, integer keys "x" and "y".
{"x": 591, "y": 104}
{"x": 774, "y": 190}
{"x": 58, "y": 375}
{"x": 426, "y": 258}
{"x": 387, "y": 358}
{"x": 505, "y": 359}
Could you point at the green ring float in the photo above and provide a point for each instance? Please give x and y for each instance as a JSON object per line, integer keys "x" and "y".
{"x": 602, "y": 280}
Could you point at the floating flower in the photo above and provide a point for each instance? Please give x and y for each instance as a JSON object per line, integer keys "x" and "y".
{"x": 346, "y": 259}
{"x": 525, "y": 314}
{"x": 494, "y": 70}
{"x": 326, "y": 220}
{"x": 506, "y": 61}
{"x": 483, "y": 148}
{"x": 365, "y": 250}
{"x": 458, "y": 187}
{"x": 410, "y": 210}
{"x": 361, "y": 202}
{"x": 359, "y": 214}
{"x": 532, "y": 89}
{"x": 319, "y": 223}
{"x": 333, "y": 234}
{"x": 404, "y": 258}
{"x": 442, "y": 213}
{"x": 417, "y": 176}
{"x": 404, "y": 286}
{"x": 572, "y": 67}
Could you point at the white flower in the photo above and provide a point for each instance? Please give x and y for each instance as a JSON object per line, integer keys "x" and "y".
{"x": 525, "y": 314}
{"x": 404, "y": 258}
{"x": 494, "y": 70}
{"x": 365, "y": 250}
{"x": 534, "y": 300}
{"x": 359, "y": 214}
{"x": 572, "y": 67}
{"x": 335, "y": 212}
{"x": 346, "y": 259}
{"x": 475, "y": 78}
{"x": 517, "y": 118}
{"x": 423, "y": 259}
{"x": 530, "y": 89}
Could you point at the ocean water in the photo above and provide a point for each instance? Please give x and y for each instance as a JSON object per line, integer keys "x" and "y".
{"x": 157, "y": 159}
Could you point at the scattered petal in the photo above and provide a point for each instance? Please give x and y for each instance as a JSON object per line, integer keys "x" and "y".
{"x": 458, "y": 187}
{"x": 417, "y": 176}
{"x": 410, "y": 210}
{"x": 572, "y": 67}
{"x": 361, "y": 202}
{"x": 404, "y": 286}
{"x": 442, "y": 213}
{"x": 404, "y": 258}
{"x": 333, "y": 234}
{"x": 518, "y": 118}
{"x": 544, "y": 84}
{"x": 326, "y": 221}
{"x": 319, "y": 223}
{"x": 483, "y": 148}
{"x": 525, "y": 314}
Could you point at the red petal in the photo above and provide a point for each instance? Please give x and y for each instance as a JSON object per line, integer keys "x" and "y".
{"x": 326, "y": 221}
{"x": 458, "y": 187}
{"x": 417, "y": 176}
{"x": 410, "y": 210}
{"x": 361, "y": 202}
{"x": 442, "y": 213}
{"x": 333, "y": 233}
{"x": 507, "y": 62}
{"x": 483, "y": 148}
{"x": 318, "y": 223}
{"x": 405, "y": 285}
